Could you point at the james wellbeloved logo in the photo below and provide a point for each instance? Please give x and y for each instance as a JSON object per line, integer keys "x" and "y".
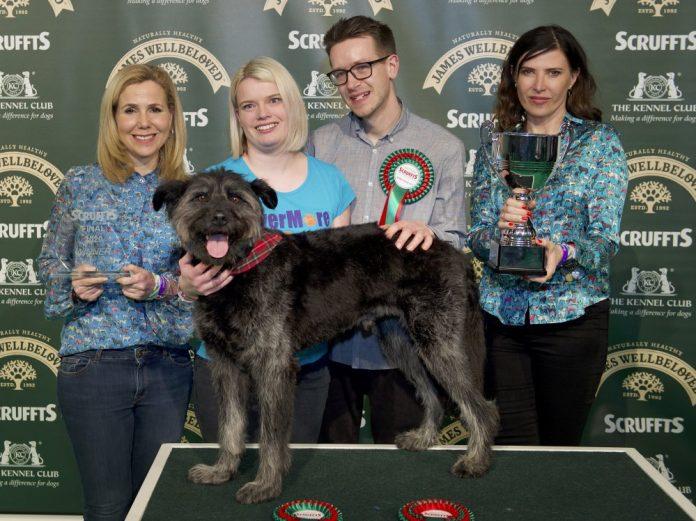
{"x": 653, "y": 176}
{"x": 29, "y": 346}
{"x": 472, "y": 48}
{"x": 666, "y": 361}
{"x": 164, "y": 45}
{"x": 650, "y": 196}
{"x": 19, "y": 373}
{"x": 643, "y": 386}
{"x": 19, "y": 168}
{"x": 13, "y": 8}
{"x": 327, "y": 7}
{"x": 177, "y": 73}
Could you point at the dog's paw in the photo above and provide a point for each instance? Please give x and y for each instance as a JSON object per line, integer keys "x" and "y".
{"x": 416, "y": 440}
{"x": 257, "y": 492}
{"x": 467, "y": 466}
{"x": 208, "y": 474}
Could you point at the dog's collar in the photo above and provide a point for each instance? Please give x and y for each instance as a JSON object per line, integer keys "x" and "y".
{"x": 261, "y": 249}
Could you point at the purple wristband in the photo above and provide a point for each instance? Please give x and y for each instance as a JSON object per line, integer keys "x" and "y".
{"x": 564, "y": 258}
{"x": 162, "y": 287}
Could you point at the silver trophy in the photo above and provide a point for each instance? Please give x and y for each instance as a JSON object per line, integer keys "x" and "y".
{"x": 521, "y": 160}
{"x": 71, "y": 252}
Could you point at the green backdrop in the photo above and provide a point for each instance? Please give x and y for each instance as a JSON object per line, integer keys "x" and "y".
{"x": 55, "y": 58}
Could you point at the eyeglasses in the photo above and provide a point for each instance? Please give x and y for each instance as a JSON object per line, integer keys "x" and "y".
{"x": 360, "y": 71}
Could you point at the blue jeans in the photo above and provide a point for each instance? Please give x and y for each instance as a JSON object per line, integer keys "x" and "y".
{"x": 119, "y": 406}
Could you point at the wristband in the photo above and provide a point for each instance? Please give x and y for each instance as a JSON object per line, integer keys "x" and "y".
{"x": 564, "y": 258}
{"x": 155, "y": 289}
{"x": 184, "y": 297}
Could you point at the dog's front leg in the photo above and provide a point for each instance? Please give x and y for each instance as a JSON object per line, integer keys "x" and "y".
{"x": 276, "y": 392}
{"x": 232, "y": 388}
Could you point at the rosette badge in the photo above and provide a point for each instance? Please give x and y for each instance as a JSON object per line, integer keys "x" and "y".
{"x": 304, "y": 509}
{"x": 432, "y": 509}
{"x": 406, "y": 176}
{"x": 525, "y": 161}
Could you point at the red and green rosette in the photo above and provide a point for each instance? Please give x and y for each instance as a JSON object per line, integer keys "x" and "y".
{"x": 406, "y": 176}
{"x": 304, "y": 509}
{"x": 431, "y": 509}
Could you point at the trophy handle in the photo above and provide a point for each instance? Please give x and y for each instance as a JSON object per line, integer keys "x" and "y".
{"x": 571, "y": 133}
{"x": 490, "y": 138}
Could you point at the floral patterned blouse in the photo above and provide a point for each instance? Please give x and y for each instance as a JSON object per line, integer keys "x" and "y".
{"x": 581, "y": 203}
{"x": 109, "y": 225}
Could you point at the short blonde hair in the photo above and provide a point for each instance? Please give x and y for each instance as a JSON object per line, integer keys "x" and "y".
{"x": 111, "y": 152}
{"x": 263, "y": 68}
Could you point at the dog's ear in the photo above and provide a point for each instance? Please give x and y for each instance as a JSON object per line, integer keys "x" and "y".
{"x": 267, "y": 195}
{"x": 168, "y": 193}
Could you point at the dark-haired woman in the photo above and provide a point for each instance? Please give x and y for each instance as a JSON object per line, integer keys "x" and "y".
{"x": 547, "y": 336}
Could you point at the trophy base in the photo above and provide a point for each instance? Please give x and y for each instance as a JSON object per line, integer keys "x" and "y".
{"x": 517, "y": 260}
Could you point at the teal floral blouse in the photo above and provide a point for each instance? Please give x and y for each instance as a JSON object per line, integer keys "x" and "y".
{"x": 581, "y": 203}
{"x": 109, "y": 225}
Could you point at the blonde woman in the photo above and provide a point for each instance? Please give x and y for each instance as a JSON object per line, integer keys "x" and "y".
{"x": 268, "y": 130}
{"x": 125, "y": 374}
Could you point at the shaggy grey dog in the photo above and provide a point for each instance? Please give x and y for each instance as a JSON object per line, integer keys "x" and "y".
{"x": 312, "y": 287}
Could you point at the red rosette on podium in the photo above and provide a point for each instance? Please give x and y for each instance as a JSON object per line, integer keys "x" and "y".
{"x": 307, "y": 509}
{"x": 432, "y": 509}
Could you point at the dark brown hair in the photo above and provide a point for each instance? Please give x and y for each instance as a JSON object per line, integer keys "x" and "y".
{"x": 357, "y": 26}
{"x": 508, "y": 109}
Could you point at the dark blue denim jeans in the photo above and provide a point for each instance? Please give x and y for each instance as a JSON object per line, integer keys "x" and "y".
{"x": 119, "y": 406}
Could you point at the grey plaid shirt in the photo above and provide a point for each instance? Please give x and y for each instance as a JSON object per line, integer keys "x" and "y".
{"x": 345, "y": 144}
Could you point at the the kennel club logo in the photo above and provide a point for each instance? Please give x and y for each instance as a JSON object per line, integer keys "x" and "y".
{"x": 656, "y": 8}
{"x": 20, "y": 454}
{"x": 643, "y": 386}
{"x": 650, "y": 365}
{"x": 654, "y": 87}
{"x": 167, "y": 45}
{"x": 12, "y": 8}
{"x": 653, "y": 174}
{"x": 648, "y": 282}
{"x": 327, "y": 7}
{"x": 477, "y": 48}
{"x": 18, "y": 273}
{"x": 322, "y": 98}
{"x": 17, "y": 86}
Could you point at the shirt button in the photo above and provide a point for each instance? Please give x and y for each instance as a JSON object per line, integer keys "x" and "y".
{"x": 374, "y": 150}
{"x": 366, "y": 218}
{"x": 391, "y": 139}
{"x": 369, "y": 183}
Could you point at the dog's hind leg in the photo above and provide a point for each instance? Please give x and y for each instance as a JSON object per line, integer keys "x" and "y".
{"x": 275, "y": 383}
{"x": 232, "y": 388}
{"x": 448, "y": 363}
{"x": 401, "y": 353}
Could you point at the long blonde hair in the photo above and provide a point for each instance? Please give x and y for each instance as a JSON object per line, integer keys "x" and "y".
{"x": 111, "y": 152}
{"x": 263, "y": 68}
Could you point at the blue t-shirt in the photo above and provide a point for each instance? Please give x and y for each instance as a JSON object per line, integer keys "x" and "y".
{"x": 314, "y": 205}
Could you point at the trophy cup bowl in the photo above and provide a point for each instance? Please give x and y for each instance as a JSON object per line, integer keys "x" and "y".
{"x": 525, "y": 161}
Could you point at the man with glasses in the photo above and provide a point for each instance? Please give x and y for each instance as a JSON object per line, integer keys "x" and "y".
{"x": 407, "y": 174}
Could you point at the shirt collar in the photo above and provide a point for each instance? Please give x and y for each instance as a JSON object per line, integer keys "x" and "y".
{"x": 356, "y": 127}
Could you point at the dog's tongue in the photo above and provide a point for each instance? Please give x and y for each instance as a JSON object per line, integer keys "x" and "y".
{"x": 217, "y": 245}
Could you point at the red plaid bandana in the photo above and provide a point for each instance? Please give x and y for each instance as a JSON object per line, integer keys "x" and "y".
{"x": 262, "y": 248}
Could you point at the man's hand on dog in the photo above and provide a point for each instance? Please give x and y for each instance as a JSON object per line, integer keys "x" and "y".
{"x": 418, "y": 232}
{"x": 201, "y": 279}
{"x": 139, "y": 284}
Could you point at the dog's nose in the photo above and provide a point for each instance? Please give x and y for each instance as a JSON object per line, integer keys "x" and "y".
{"x": 219, "y": 219}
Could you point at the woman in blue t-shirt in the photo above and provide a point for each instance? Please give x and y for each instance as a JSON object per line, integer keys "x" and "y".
{"x": 268, "y": 132}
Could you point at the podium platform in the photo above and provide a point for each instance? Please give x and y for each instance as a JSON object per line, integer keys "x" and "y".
{"x": 372, "y": 482}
